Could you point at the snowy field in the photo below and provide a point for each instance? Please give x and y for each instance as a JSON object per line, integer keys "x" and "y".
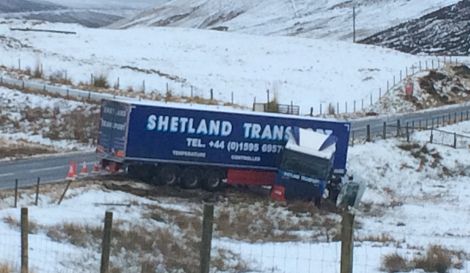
{"x": 304, "y": 72}
{"x": 51, "y": 123}
{"x": 418, "y": 194}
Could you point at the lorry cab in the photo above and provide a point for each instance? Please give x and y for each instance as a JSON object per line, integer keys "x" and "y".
{"x": 305, "y": 165}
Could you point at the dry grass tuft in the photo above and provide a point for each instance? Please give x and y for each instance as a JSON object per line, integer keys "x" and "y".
{"x": 437, "y": 259}
{"x": 395, "y": 263}
{"x": 101, "y": 81}
{"x": 5, "y": 268}
{"x": 382, "y": 238}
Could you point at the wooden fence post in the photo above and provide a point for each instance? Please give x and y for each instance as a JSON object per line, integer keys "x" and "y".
{"x": 37, "y": 191}
{"x": 455, "y": 140}
{"x": 368, "y": 132}
{"x": 206, "y": 243}
{"x": 16, "y": 193}
{"x": 398, "y": 128}
{"x": 65, "y": 191}
{"x": 407, "y": 133}
{"x": 106, "y": 243}
{"x": 347, "y": 228}
{"x": 24, "y": 240}
{"x": 385, "y": 130}
{"x": 431, "y": 137}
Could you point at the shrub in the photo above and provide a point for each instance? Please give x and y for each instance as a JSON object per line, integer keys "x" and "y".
{"x": 100, "y": 81}
{"x": 273, "y": 105}
{"x": 437, "y": 259}
{"x": 394, "y": 263}
{"x": 38, "y": 72}
{"x": 331, "y": 109}
{"x": 60, "y": 77}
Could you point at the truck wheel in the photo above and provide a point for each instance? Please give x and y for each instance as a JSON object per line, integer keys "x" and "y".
{"x": 168, "y": 175}
{"x": 141, "y": 172}
{"x": 213, "y": 180}
{"x": 191, "y": 178}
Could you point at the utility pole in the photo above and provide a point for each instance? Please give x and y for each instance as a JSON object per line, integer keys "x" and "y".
{"x": 354, "y": 22}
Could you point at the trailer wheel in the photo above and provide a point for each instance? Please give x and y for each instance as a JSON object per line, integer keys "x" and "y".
{"x": 141, "y": 172}
{"x": 213, "y": 180}
{"x": 168, "y": 175}
{"x": 191, "y": 178}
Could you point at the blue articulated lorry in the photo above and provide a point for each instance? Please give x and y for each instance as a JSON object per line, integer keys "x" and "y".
{"x": 196, "y": 146}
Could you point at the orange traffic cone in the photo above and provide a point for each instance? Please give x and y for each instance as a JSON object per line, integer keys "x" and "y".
{"x": 84, "y": 170}
{"x": 72, "y": 173}
{"x": 96, "y": 167}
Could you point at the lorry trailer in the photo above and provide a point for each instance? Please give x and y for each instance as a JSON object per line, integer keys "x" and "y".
{"x": 205, "y": 146}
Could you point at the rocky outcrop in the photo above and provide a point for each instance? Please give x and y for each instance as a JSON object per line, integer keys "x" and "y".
{"x": 443, "y": 32}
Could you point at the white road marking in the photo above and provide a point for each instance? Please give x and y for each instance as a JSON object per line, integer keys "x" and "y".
{"x": 48, "y": 169}
{"x": 6, "y": 174}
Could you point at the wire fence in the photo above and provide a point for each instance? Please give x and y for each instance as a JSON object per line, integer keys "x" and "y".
{"x": 405, "y": 126}
{"x": 205, "y": 95}
{"x": 73, "y": 246}
{"x": 448, "y": 138}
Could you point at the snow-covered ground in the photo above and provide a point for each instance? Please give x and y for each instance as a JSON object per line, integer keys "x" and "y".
{"x": 326, "y": 19}
{"x": 304, "y": 72}
{"x": 36, "y": 119}
{"x": 418, "y": 194}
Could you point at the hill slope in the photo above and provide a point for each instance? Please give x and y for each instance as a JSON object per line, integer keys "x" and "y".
{"x": 445, "y": 31}
{"x": 306, "y": 72}
{"x": 26, "y": 5}
{"x": 312, "y": 19}
{"x": 85, "y": 12}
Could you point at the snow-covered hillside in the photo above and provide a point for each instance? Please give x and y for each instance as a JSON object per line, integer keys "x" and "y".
{"x": 417, "y": 194}
{"x": 315, "y": 19}
{"x": 8, "y": 6}
{"x": 443, "y": 32}
{"x": 87, "y": 13}
{"x": 52, "y": 124}
{"x": 306, "y": 72}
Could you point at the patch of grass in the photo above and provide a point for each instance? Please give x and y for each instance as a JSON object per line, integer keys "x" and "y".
{"x": 137, "y": 246}
{"x": 227, "y": 261}
{"x": 6, "y": 268}
{"x": 81, "y": 125}
{"x": 11, "y": 221}
{"x": 264, "y": 222}
{"x": 395, "y": 263}
{"x": 101, "y": 81}
{"x": 437, "y": 259}
{"x": 14, "y": 223}
{"x": 38, "y": 72}
{"x": 409, "y": 146}
{"x": 79, "y": 235}
{"x": 60, "y": 77}
{"x": 382, "y": 238}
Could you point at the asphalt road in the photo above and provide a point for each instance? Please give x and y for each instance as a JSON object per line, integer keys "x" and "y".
{"x": 49, "y": 169}
{"x": 429, "y": 118}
